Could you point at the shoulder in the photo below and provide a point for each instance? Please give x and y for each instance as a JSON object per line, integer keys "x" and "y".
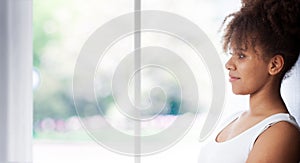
{"x": 279, "y": 143}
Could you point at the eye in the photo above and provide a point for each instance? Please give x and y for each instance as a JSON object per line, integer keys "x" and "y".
{"x": 241, "y": 55}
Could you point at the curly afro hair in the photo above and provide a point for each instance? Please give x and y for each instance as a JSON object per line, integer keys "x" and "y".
{"x": 272, "y": 25}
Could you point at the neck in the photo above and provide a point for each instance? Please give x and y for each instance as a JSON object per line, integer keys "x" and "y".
{"x": 267, "y": 101}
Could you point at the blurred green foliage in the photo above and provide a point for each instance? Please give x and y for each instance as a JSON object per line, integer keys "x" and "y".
{"x": 53, "y": 96}
{"x": 55, "y": 62}
{"x": 42, "y": 13}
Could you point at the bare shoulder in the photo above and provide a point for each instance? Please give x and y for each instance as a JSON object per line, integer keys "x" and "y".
{"x": 278, "y": 144}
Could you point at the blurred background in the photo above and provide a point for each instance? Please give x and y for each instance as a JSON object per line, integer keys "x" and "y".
{"x": 61, "y": 27}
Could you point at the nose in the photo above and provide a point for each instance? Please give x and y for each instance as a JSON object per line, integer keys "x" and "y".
{"x": 230, "y": 65}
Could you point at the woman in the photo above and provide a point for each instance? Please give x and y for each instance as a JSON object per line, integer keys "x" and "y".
{"x": 263, "y": 38}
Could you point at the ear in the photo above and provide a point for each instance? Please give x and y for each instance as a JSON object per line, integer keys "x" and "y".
{"x": 276, "y": 64}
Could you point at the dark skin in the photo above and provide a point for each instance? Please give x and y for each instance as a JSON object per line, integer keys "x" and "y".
{"x": 260, "y": 77}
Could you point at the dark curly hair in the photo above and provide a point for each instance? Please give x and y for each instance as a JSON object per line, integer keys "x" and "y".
{"x": 272, "y": 25}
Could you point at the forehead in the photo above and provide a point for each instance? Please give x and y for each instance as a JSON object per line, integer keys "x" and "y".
{"x": 243, "y": 43}
{"x": 239, "y": 41}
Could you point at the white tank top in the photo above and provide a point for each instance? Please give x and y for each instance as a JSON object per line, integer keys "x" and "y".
{"x": 236, "y": 149}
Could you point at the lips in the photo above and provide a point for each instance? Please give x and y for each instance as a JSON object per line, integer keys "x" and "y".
{"x": 233, "y": 78}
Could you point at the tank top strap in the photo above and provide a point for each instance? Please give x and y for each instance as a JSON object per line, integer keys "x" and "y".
{"x": 269, "y": 121}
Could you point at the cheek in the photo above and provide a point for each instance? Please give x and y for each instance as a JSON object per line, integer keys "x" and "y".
{"x": 256, "y": 70}
{"x": 252, "y": 79}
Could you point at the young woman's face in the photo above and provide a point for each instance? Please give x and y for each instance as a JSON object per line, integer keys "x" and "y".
{"x": 248, "y": 71}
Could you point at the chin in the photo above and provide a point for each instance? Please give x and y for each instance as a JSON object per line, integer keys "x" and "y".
{"x": 240, "y": 92}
